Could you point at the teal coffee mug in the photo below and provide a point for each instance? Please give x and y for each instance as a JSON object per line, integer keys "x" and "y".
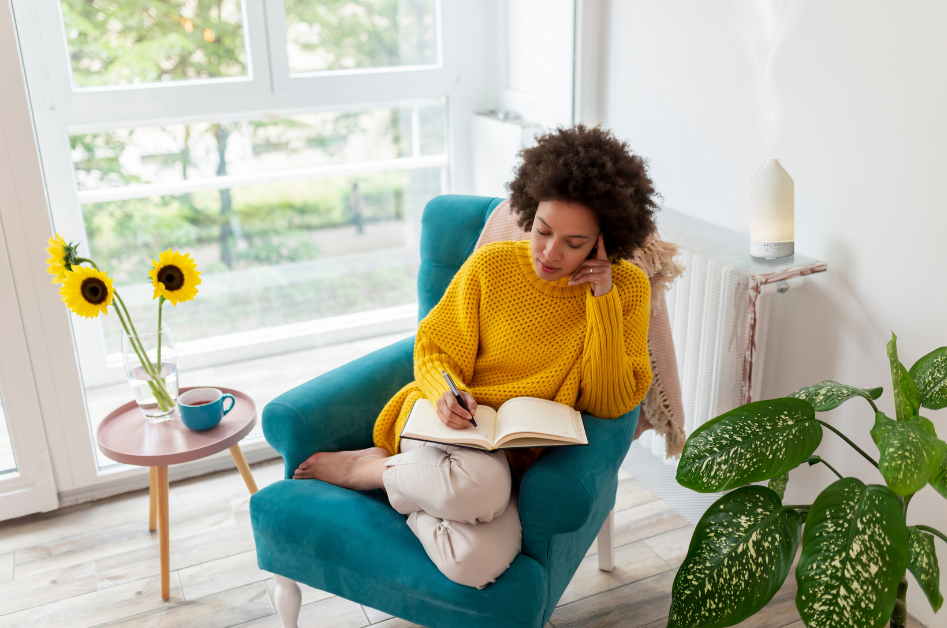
{"x": 203, "y": 408}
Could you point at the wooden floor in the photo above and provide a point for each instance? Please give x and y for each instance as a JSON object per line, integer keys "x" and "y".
{"x": 96, "y": 564}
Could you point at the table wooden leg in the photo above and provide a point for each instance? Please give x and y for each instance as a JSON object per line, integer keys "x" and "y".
{"x": 153, "y": 500}
{"x": 163, "y": 536}
{"x": 241, "y": 461}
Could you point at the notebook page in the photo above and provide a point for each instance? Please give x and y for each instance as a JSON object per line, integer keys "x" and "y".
{"x": 424, "y": 423}
{"x": 529, "y": 414}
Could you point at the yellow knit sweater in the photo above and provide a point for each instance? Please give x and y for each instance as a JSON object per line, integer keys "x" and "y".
{"x": 501, "y": 331}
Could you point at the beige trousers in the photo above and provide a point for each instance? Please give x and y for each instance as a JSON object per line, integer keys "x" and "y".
{"x": 460, "y": 505}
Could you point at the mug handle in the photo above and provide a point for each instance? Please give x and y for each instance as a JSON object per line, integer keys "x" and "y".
{"x": 233, "y": 402}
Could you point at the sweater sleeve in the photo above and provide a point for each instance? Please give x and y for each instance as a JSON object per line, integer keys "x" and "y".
{"x": 616, "y": 367}
{"x": 449, "y": 336}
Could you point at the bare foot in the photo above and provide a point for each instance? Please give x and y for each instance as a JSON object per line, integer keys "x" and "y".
{"x": 360, "y": 470}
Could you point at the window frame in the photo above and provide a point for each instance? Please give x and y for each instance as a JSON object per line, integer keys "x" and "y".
{"x": 60, "y": 109}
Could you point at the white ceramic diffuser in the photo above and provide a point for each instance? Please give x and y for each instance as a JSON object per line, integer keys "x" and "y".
{"x": 771, "y": 212}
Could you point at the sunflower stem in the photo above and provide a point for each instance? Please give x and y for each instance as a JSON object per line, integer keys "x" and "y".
{"x": 160, "y": 303}
{"x": 164, "y": 399}
{"x": 80, "y": 260}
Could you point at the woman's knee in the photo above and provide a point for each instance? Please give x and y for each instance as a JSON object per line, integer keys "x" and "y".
{"x": 480, "y": 486}
{"x": 471, "y": 555}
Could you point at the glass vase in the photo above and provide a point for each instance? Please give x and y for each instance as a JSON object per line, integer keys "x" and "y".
{"x": 152, "y": 372}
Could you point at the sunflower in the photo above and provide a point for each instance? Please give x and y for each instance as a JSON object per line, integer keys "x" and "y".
{"x": 63, "y": 256}
{"x": 87, "y": 291}
{"x": 175, "y": 277}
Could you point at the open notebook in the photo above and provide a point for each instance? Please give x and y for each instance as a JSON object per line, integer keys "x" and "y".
{"x": 520, "y": 422}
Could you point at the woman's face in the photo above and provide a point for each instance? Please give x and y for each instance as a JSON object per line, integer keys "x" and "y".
{"x": 563, "y": 235}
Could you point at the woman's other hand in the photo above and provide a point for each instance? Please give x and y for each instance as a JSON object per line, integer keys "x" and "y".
{"x": 596, "y": 271}
{"x": 452, "y": 414}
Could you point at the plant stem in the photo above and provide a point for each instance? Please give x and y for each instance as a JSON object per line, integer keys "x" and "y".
{"x": 899, "y": 615}
{"x": 832, "y": 468}
{"x": 806, "y": 506}
{"x": 160, "y": 303}
{"x": 873, "y": 406}
{"x": 845, "y": 438}
{"x": 164, "y": 399}
{"x": 943, "y": 537}
{"x": 80, "y": 260}
{"x": 162, "y": 402}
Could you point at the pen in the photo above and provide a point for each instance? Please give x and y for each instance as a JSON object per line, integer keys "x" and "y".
{"x": 460, "y": 400}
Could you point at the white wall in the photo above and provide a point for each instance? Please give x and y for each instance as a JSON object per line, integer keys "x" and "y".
{"x": 851, "y": 97}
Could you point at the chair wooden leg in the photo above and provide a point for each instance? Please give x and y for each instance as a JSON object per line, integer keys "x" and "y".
{"x": 153, "y": 500}
{"x": 244, "y": 468}
{"x": 606, "y": 545}
{"x": 288, "y": 599}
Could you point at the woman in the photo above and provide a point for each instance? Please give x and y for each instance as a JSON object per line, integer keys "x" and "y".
{"x": 551, "y": 317}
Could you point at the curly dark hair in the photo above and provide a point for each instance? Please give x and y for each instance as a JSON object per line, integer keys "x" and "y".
{"x": 591, "y": 167}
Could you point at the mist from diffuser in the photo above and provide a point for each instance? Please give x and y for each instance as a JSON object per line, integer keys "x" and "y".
{"x": 772, "y": 204}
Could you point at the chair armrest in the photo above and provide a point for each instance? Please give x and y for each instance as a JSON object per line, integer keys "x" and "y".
{"x": 561, "y": 489}
{"x": 337, "y": 410}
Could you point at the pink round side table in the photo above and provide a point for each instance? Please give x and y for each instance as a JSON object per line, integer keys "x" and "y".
{"x": 125, "y": 436}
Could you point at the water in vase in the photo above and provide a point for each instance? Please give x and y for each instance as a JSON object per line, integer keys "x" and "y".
{"x": 144, "y": 395}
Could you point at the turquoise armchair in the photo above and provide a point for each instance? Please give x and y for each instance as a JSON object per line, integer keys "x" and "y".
{"x": 355, "y": 545}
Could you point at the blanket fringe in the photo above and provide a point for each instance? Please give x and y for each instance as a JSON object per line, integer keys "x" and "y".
{"x": 657, "y": 409}
{"x": 656, "y": 259}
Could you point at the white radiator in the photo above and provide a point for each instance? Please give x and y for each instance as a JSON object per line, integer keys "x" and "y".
{"x": 719, "y": 311}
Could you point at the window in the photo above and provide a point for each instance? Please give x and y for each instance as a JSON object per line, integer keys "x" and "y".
{"x": 288, "y": 145}
{"x": 7, "y": 459}
{"x": 117, "y": 42}
{"x": 347, "y": 35}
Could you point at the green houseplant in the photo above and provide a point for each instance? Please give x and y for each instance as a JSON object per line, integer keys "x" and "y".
{"x": 856, "y": 544}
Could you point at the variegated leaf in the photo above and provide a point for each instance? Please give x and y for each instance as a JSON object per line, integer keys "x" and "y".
{"x": 939, "y": 479}
{"x": 923, "y": 564}
{"x": 854, "y": 554}
{"x": 896, "y": 377}
{"x": 930, "y": 374}
{"x": 910, "y": 452}
{"x": 738, "y": 558}
{"x": 827, "y": 394}
{"x": 779, "y": 485}
{"x": 755, "y": 442}
{"x": 910, "y": 396}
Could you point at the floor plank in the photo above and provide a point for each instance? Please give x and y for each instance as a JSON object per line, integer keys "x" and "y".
{"x": 334, "y": 612}
{"x": 642, "y": 522}
{"x": 48, "y": 587}
{"x": 374, "y": 615}
{"x": 221, "y": 610}
{"x": 632, "y": 493}
{"x": 108, "y": 541}
{"x": 221, "y": 574}
{"x": 99, "y": 607}
{"x": 6, "y": 567}
{"x": 185, "y": 552}
{"x": 632, "y": 563}
{"x": 630, "y": 606}
{"x": 672, "y": 546}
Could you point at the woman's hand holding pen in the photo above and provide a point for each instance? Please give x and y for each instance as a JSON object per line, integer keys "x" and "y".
{"x": 596, "y": 271}
{"x": 452, "y": 414}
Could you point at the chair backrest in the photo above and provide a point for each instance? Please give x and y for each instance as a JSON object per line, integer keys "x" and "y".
{"x": 450, "y": 227}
